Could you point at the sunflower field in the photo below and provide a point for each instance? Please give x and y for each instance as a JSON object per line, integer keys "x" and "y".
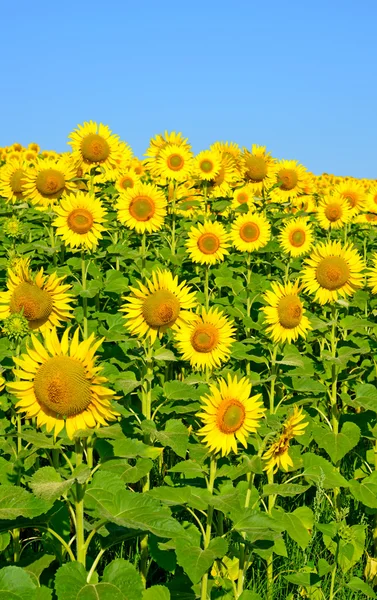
{"x": 188, "y": 403}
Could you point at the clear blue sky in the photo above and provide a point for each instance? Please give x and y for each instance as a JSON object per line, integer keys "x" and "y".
{"x": 297, "y": 76}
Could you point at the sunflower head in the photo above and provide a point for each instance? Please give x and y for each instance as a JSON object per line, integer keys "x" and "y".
{"x": 208, "y": 243}
{"x": 16, "y": 327}
{"x": 284, "y": 313}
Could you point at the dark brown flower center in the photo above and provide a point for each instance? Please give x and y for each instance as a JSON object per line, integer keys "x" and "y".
{"x": 288, "y": 179}
{"x": 297, "y": 237}
{"x": 175, "y": 162}
{"x": 206, "y": 166}
{"x": 333, "y": 212}
{"x": 16, "y": 181}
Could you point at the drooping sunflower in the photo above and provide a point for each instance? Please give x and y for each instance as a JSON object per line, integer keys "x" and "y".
{"x": 207, "y": 341}
{"x": 292, "y": 179}
{"x": 333, "y": 212}
{"x": 372, "y": 275}
{"x": 207, "y": 165}
{"x": 95, "y": 145}
{"x": 43, "y": 299}
{"x": 60, "y": 384}
{"x": 48, "y": 181}
{"x": 229, "y": 415}
{"x": 285, "y": 313}
{"x": 243, "y": 196}
{"x": 354, "y": 193}
{"x": 173, "y": 163}
{"x": 80, "y": 220}
{"x": 161, "y": 304}
{"x": 333, "y": 271}
{"x": 250, "y": 232}
{"x": 142, "y": 208}
{"x": 296, "y": 237}
{"x": 277, "y": 456}
{"x": 258, "y": 167}
{"x": 207, "y": 244}
{"x": 12, "y": 180}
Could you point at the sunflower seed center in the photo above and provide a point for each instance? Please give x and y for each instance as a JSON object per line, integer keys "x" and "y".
{"x": 161, "y": 309}
{"x": 231, "y": 415}
{"x": 95, "y": 148}
{"x": 80, "y": 220}
{"x": 332, "y": 272}
{"x": 36, "y": 304}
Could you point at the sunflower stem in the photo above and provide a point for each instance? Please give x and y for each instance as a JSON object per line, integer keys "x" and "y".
{"x": 270, "y": 475}
{"x": 206, "y": 286}
{"x": 243, "y": 561}
{"x": 84, "y": 299}
{"x": 143, "y": 251}
{"x": 207, "y": 537}
{"x": 79, "y": 510}
{"x": 173, "y": 215}
{"x": 334, "y": 393}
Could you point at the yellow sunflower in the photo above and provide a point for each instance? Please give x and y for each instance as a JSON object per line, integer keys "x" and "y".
{"x": 207, "y": 244}
{"x": 243, "y": 196}
{"x": 42, "y": 299}
{"x": 293, "y": 426}
{"x": 231, "y": 151}
{"x": 12, "y": 180}
{"x": 126, "y": 180}
{"x": 285, "y": 313}
{"x": 333, "y": 212}
{"x": 250, "y": 232}
{"x": 228, "y": 176}
{"x": 207, "y": 341}
{"x": 296, "y": 237}
{"x": 333, "y": 271}
{"x": 372, "y": 275}
{"x": 173, "y": 163}
{"x": 60, "y": 384}
{"x": 48, "y": 181}
{"x": 161, "y": 304}
{"x": 292, "y": 179}
{"x": 277, "y": 456}
{"x": 229, "y": 415}
{"x": 80, "y": 220}
{"x": 95, "y": 145}
{"x": 142, "y": 208}
{"x": 159, "y": 142}
{"x": 207, "y": 165}
{"x": 354, "y": 193}
{"x": 371, "y": 198}
{"x": 34, "y": 147}
{"x": 258, "y": 168}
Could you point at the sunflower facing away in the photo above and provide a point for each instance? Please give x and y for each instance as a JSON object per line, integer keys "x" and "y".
{"x": 277, "y": 456}
{"x": 12, "y": 180}
{"x": 207, "y": 244}
{"x": 48, "y": 181}
{"x": 333, "y": 212}
{"x": 42, "y": 299}
{"x": 142, "y": 208}
{"x": 60, "y": 384}
{"x": 94, "y": 145}
{"x": 333, "y": 271}
{"x": 250, "y": 232}
{"x": 161, "y": 304}
{"x": 285, "y": 313}
{"x": 229, "y": 414}
{"x": 80, "y": 220}
{"x": 296, "y": 237}
{"x": 207, "y": 341}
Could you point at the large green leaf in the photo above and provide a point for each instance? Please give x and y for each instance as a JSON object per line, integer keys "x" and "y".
{"x": 294, "y": 526}
{"x": 284, "y": 489}
{"x": 37, "y": 565}
{"x": 47, "y": 484}
{"x": 337, "y": 445}
{"x": 196, "y": 561}
{"x": 108, "y": 499}
{"x": 126, "y": 472}
{"x": 15, "y": 584}
{"x": 175, "y": 436}
{"x": 358, "y": 585}
{"x": 366, "y": 397}
{"x": 156, "y": 592}
{"x": 321, "y": 472}
{"x": 127, "y": 448}
{"x": 351, "y": 545}
{"x": 15, "y": 502}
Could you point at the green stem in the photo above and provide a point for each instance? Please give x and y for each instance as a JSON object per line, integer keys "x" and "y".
{"x": 271, "y": 392}
{"x": 143, "y": 251}
{"x": 334, "y": 393}
{"x": 243, "y": 562}
{"x": 206, "y": 287}
{"x": 271, "y": 498}
{"x": 84, "y": 300}
{"x": 79, "y": 511}
{"x": 61, "y": 540}
{"x": 207, "y": 537}
{"x": 333, "y": 574}
{"x": 286, "y": 276}
{"x": 173, "y": 224}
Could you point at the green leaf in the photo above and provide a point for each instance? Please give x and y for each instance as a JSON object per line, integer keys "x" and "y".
{"x": 164, "y": 354}
{"x": 127, "y": 448}
{"x": 47, "y": 484}
{"x": 365, "y": 492}
{"x": 15, "y": 502}
{"x": 358, "y": 585}
{"x": 295, "y": 528}
{"x": 108, "y": 499}
{"x": 321, "y": 472}
{"x": 190, "y": 468}
{"x": 304, "y": 579}
{"x": 324, "y": 567}
{"x": 366, "y": 397}
{"x": 292, "y": 357}
{"x": 126, "y": 472}
{"x": 284, "y": 489}
{"x": 308, "y": 384}
{"x": 156, "y": 592}
{"x": 15, "y": 584}
{"x": 249, "y": 595}
{"x": 4, "y": 541}
{"x": 178, "y": 390}
{"x": 116, "y": 283}
{"x": 337, "y": 445}
{"x": 175, "y": 436}
{"x": 350, "y": 545}
{"x": 196, "y": 561}
{"x": 37, "y": 566}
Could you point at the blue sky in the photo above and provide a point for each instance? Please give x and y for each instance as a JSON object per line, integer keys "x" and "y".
{"x": 298, "y": 77}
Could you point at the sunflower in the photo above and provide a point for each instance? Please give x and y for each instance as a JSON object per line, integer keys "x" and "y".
{"x": 126, "y": 180}
{"x": 285, "y": 313}
{"x": 142, "y": 208}
{"x": 292, "y": 179}
{"x": 333, "y": 212}
{"x": 333, "y": 271}
{"x": 232, "y": 152}
{"x": 207, "y": 165}
{"x": 228, "y": 176}
{"x": 159, "y": 142}
{"x": 42, "y": 299}
{"x": 296, "y": 237}
{"x": 12, "y": 180}
{"x": 34, "y": 147}
{"x": 277, "y": 456}
{"x": 94, "y": 145}
{"x": 354, "y": 193}
{"x": 243, "y": 196}
{"x": 48, "y": 180}
{"x": 372, "y": 275}
{"x": 60, "y": 384}
{"x": 159, "y": 305}
{"x": 250, "y": 232}
{"x": 258, "y": 167}
{"x": 207, "y": 341}
{"x": 80, "y": 220}
{"x": 173, "y": 163}
{"x": 229, "y": 414}
{"x": 207, "y": 244}
{"x": 371, "y": 199}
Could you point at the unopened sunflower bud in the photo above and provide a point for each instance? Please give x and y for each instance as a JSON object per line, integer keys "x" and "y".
{"x": 370, "y": 571}
{"x": 13, "y": 228}
{"x": 16, "y": 327}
